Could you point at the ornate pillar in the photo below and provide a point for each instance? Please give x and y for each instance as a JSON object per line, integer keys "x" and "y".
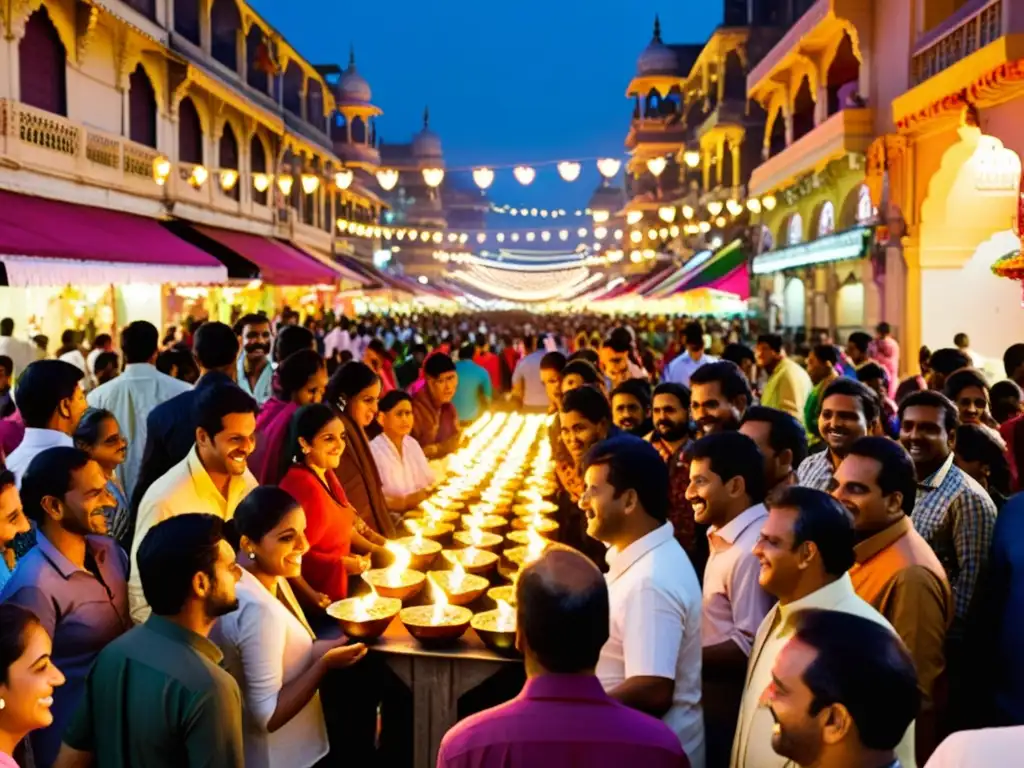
{"x": 205, "y": 27}
{"x": 720, "y": 68}
{"x": 14, "y": 17}
{"x": 705, "y": 82}
{"x": 788, "y": 117}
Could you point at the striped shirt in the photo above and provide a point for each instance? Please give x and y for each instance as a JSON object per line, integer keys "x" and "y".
{"x": 956, "y": 517}
{"x": 816, "y": 471}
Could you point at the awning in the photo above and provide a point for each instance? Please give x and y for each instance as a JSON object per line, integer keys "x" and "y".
{"x": 50, "y": 242}
{"x": 724, "y": 270}
{"x": 278, "y": 263}
{"x": 344, "y": 272}
{"x": 849, "y": 244}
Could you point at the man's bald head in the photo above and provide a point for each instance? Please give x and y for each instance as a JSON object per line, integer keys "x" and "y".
{"x": 563, "y": 611}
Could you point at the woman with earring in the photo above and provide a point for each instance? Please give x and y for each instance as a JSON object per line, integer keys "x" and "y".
{"x": 99, "y": 435}
{"x": 316, "y": 445}
{"x": 27, "y": 679}
{"x": 269, "y": 647}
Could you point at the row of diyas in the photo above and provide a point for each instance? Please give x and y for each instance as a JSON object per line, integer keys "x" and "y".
{"x": 500, "y": 479}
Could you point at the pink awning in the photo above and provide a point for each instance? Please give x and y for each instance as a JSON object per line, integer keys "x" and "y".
{"x": 51, "y": 242}
{"x": 278, "y": 262}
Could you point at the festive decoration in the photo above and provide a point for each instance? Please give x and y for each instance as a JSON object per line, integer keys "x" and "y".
{"x": 284, "y": 183}
{"x": 634, "y": 217}
{"x": 261, "y": 181}
{"x": 161, "y": 170}
{"x": 754, "y": 205}
{"x": 768, "y": 202}
{"x": 310, "y": 183}
{"x": 433, "y": 176}
{"x": 228, "y": 178}
{"x": 387, "y": 178}
{"x": 609, "y": 167}
{"x": 483, "y": 177}
{"x": 343, "y": 178}
{"x": 667, "y": 213}
{"x": 734, "y": 207}
{"x": 687, "y": 212}
{"x": 715, "y": 207}
{"x": 692, "y": 158}
{"x": 569, "y": 170}
{"x": 198, "y": 176}
{"x": 524, "y": 174}
{"x": 657, "y": 165}
{"x": 601, "y": 216}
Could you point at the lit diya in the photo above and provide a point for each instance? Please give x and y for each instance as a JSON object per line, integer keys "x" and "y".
{"x": 435, "y": 514}
{"x": 534, "y": 508}
{"x": 429, "y": 529}
{"x": 397, "y": 580}
{"x": 473, "y": 560}
{"x": 497, "y": 628}
{"x": 437, "y": 623}
{"x": 506, "y": 592}
{"x": 474, "y": 537}
{"x": 422, "y": 550}
{"x": 541, "y": 524}
{"x": 484, "y": 522}
{"x": 366, "y": 617}
{"x": 522, "y": 538}
{"x": 535, "y": 548}
{"x": 459, "y": 587}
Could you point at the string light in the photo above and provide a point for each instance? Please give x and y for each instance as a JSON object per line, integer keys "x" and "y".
{"x": 310, "y": 183}
{"x": 735, "y": 207}
{"x": 652, "y": 234}
{"x": 228, "y": 178}
{"x": 524, "y": 174}
{"x": 687, "y": 212}
{"x": 692, "y": 158}
{"x": 768, "y": 201}
{"x": 387, "y": 178}
{"x": 754, "y": 205}
{"x": 667, "y": 213}
{"x": 636, "y": 236}
{"x": 569, "y": 170}
{"x": 433, "y": 176}
{"x": 674, "y": 230}
{"x": 261, "y": 181}
{"x": 284, "y": 183}
{"x": 609, "y": 167}
{"x": 720, "y": 221}
{"x": 656, "y": 165}
{"x": 715, "y": 207}
{"x": 634, "y": 217}
{"x": 483, "y": 177}
{"x": 600, "y": 233}
{"x": 161, "y": 169}
{"x": 198, "y": 176}
{"x": 600, "y": 217}
{"x": 343, "y": 178}
{"x": 563, "y": 235}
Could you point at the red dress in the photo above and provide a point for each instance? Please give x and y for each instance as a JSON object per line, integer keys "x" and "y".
{"x": 329, "y": 524}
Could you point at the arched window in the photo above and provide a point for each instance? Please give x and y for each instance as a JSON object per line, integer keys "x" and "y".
{"x": 257, "y": 53}
{"x": 293, "y": 89}
{"x": 190, "y": 133}
{"x": 228, "y": 154}
{"x": 141, "y": 108}
{"x": 358, "y": 130}
{"x": 795, "y": 230}
{"x": 186, "y": 20}
{"x": 826, "y": 219}
{"x": 225, "y": 22}
{"x": 315, "y": 105}
{"x": 258, "y": 164}
{"x": 339, "y": 128}
{"x": 865, "y": 210}
{"x": 41, "y": 59}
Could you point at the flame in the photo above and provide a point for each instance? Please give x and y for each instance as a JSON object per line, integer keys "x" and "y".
{"x": 364, "y": 604}
{"x": 458, "y": 573}
{"x": 402, "y": 559}
{"x": 506, "y": 617}
{"x": 440, "y": 603}
{"x": 476, "y": 536}
{"x": 535, "y": 547}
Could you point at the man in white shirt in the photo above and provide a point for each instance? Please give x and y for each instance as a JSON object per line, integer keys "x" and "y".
{"x": 213, "y": 479}
{"x": 682, "y": 367}
{"x": 51, "y": 402}
{"x": 805, "y": 550}
{"x": 726, "y": 491}
{"x": 21, "y": 352}
{"x": 652, "y": 660}
{"x": 984, "y": 748}
{"x": 255, "y": 370}
{"x": 136, "y": 392}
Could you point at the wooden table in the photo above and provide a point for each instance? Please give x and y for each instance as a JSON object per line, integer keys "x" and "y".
{"x": 437, "y": 678}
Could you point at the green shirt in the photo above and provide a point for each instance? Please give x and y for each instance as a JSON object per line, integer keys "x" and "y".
{"x": 156, "y": 697}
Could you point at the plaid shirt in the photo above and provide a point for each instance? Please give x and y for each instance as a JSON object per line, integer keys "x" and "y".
{"x": 956, "y": 517}
{"x": 816, "y": 471}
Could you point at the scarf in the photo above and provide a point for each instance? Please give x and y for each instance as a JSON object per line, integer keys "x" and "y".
{"x": 266, "y": 462}
{"x": 360, "y": 479}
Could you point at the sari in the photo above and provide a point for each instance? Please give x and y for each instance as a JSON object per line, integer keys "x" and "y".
{"x": 271, "y": 440}
{"x": 361, "y": 481}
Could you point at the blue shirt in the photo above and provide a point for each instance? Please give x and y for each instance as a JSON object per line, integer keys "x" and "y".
{"x": 528, "y": 371}
{"x": 681, "y": 369}
{"x": 474, "y": 389}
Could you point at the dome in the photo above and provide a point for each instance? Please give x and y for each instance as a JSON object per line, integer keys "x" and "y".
{"x": 352, "y": 87}
{"x": 426, "y": 144}
{"x": 657, "y": 58}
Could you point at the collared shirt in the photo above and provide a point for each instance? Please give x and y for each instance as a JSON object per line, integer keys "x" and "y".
{"x": 187, "y": 488}
{"x": 561, "y": 720}
{"x": 267, "y": 642}
{"x": 263, "y": 390}
{"x": 752, "y": 747}
{"x": 655, "y": 629}
{"x": 816, "y": 471}
{"x": 81, "y": 609}
{"x": 681, "y": 369}
{"x": 35, "y": 442}
{"x": 528, "y": 372}
{"x": 474, "y": 390}
{"x": 787, "y": 388}
{"x": 734, "y": 603}
{"x": 433, "y": 422}
{"x": 130, "y": 397}
{"x": 157, "y": 697}
{"x": 401, "y": 475}
{"x": 984, "y": 748}
{"x": 956, "y": 517}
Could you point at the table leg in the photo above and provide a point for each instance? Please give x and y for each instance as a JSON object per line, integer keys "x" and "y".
{"x": 436, "y": 684}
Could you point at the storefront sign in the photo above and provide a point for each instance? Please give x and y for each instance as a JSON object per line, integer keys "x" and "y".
{"x": 851, "y": 244}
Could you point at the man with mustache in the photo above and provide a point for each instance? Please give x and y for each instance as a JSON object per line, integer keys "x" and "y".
{"x": 255, "y": 372}
{"x": 895, "y": 570}
{"x": 805, "y": 550}
{"x": 719, "y": 396}
{"x": 842, "y": 693}
{"x": 788, "y": 385}
{"x": 782, "y": 441}
{"x": 631, "y": 407}
{"x": 849, "y": 411}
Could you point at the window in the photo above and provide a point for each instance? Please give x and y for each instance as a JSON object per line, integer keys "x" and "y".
{"x": 141, "y": 108}
{"x": 41, "y": 59}
{"x": 190, "y": 133}
{"x": 865, "y": 210}
{"x": 826, "y": 219}
{"x": 795, "y": 230}
{"x": 186, "y": 19}
{"x": 258, "y": 54}
{"x": 258, "y": 164}
{"x": 293, "y": 89}
{"x": 228, "y": 154}
{"x": 225, "y": 23}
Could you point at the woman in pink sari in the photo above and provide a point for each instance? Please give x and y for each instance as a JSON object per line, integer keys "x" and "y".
{"x": 299, "y": 381}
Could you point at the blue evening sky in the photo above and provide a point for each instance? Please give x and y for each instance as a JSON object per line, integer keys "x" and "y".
{"x": 506, "y": 82}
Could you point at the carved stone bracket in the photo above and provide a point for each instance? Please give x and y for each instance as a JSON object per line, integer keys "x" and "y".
{"x": 86, "y": 18}
{"x": 14, "y": 14}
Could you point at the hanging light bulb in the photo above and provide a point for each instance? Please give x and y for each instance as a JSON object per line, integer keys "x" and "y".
{"x": 524, "y": 212}
{"x": 515, "y": 237}
{"x": 544, "y": 213}
{"x": 387, "y": 233}
{"x": 563, "y": 235}
{"x": 463, "y": 237}
{"x": 704, "y": 227}
{"x": 284, "y": 183}
{"x": 609, "y": 167}
{"x": 433, "y": 176}
{"x": 483, "y": 177}
{"x": 768, "y": 201}
{"x": 687, "y": 212}
{"x": 674, "y": 230}
{"x": 568, "y": 170}
{"x": 636, "y": 236}
{"x": 501, "y": 237}
{"x": 663, "y": 233}
{"x": 545, "y": 235}
{"x": 600, "y": 216}
{"x": 343, "y": 178}
{"x": 514, "y": 212}
{"x": 387, "y": 178}
{"x": 530, "y": 236}
{"x": 715, "y": 207}
{"x": 261, "y": 181}
{"x": 376, "y": 231}
{"x": 692, "y": 158}
{"x": 656, "y": 165}
{"x": 734, "y": 206}
{"x": 161, "y": 170}
{"x": 400, "y": 234}
{"x": 310, "y": 183}
{"x": 618, "y": 234}
{"x": 452, "y": 237}
{"x": 198, "y": 176}
{"x": 438, "y": 237}
{"x": 481, "y": 237}
{"x": 600, "y": 233}
{"x": 754, "y": 205}
{"x": 721, "y": 221}
{"x": 341, "y": 224}
{"x": 636, "y": 257}
{"x": 582, "y": 231}
{"x": 667, "y": 213}
{"x": 634, "y": 217}
{"x": 228, "y": 178}
{"x": 534, "y": 211}
{"x": 652, "y": 234}
{"x": 524, "y": 174}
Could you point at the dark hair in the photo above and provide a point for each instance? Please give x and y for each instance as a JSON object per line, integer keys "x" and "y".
{"x": 932, "y": 399}
{"x": 883, "y": 328}
{"x": 139, "y": 342}
{"x": 253, "y": 318}
{"x": 948, "y": 360}
{"x": 553, "y": 361}
{"x": 589, "y": 402}
{"x": 584, "y": 369}
{"x": 872, "y": 370}
{"x": 737, "y": 353}
{"x": 565, "y": 624}
{"x": 1013, "y": 358}
{"x": 215, "y": 345}
{"x": 14, "y": 624}
{"x": 258, "y": 513}
{"x": 976, "y": 442}
{"x": 821, "y": 520}
{"x": 87, "y": 433}
{"x": 638, "y": 388}
{"x": 908, "y": 386}
{"x": 41, "y": 388}
{"x": 733, "y": 454}
{"x": 349, "y": 380}
{"x": 863, "y": 666}
{"x": 418, "y": 349}
{"x": 392, "y": 399}
{"x": 785, "y": 433}
{"x": 305, "y": 423}
{"x": 860, "y": 340}
{"x": 729, "y": 377}
{"x": 896, "y": 469}
{"x": 297, "y": 369}
{"x": 1002, "y": 397}
{"x": 958, "y": 381}
{"x": 466, "y": 351}
{"x": 68, "y": 336}
{"x": 587, "y": 355}
{"x": 773, "y": 340}
{"x": 6, "y": 477}
{"x": 49, "y": 474}
{"x": 178, "y": 357}
{"x": 437, "y": 365}
{"x": 292, "y": 339}
{"x": 172, "y": 553}
{"x": 859, "y": 391}
{"x": 6, "y": 326}
{"x": 7, "y": 364}
{"x": 693, "y": 334}
{"x": 827, "y": 353}
{"x": 619, "y": 341}
{"x": 678, "y": 391}
{"x": 104, "y": 360}
{"x": 214, "y": 403}
{"x": 961, "y": 341}
{"x": 633, "y": 464}
{"x": 101, "y": 340}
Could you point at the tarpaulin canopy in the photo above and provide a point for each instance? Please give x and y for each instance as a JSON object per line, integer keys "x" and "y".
{"x": 723, "y": 270}
{"x": 278, "y": 263}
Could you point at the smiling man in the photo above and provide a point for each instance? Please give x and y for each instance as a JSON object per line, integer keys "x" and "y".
{"x": 631, "y": 407}
{"x": 213, "y": 478}
{"x": 719, "y": 396}
{"x": 849, "y": 411}
{"x": 255, "y": 372}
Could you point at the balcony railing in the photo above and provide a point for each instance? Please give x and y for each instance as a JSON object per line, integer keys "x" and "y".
{"x": 970, "y": 29}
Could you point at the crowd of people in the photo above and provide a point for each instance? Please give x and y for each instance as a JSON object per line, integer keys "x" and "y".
{"x": 768, "y": 554}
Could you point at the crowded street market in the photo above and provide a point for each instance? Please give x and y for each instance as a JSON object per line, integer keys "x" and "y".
{"x": 698, "y": 446}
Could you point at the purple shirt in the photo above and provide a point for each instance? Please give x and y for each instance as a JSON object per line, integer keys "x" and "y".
{"x": 560, "y": 720}
{"x": 82, "y": 613}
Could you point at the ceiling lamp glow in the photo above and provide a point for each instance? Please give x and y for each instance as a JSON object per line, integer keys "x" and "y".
{"x": 483, "y": 177}
{"x": 343, "y": 178}
{"x": 433, "y": 176}
{"x": 667, "y": 213}
{"x": 609, "y": 167}
{"x": 656, "y": 165}
{"x": 387, "y": 178}
{"x": 524, "y": 174}
{"x": 715, "y": 207}
{"x": 568, "y": 170}
{"x": 284, "y": 183}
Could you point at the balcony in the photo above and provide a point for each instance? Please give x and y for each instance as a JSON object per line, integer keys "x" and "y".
{"x": 970, "y": 29}
{"x": 847, "y": 131}
{"x": 728, "y": 113}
